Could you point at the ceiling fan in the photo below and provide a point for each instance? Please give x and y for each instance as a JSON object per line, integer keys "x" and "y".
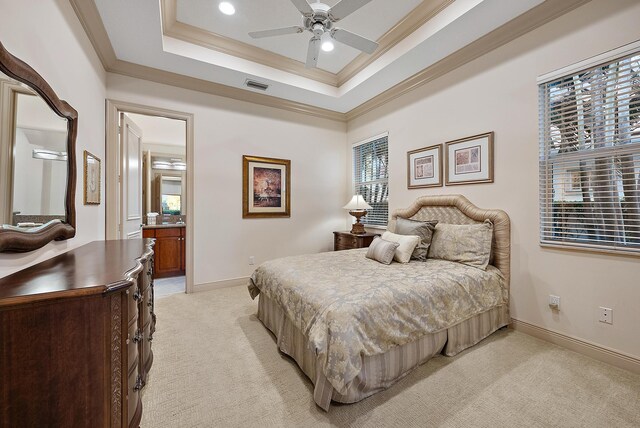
{"x": 318, "y": 18}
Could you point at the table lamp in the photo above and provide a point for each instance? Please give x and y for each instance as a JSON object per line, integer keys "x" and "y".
{"x": 357, "y": 207}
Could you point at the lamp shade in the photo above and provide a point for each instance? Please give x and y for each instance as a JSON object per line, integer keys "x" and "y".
{"x": 357, "y": 203}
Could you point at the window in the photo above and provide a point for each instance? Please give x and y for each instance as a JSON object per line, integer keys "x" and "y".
{"x": 590, "y": 157}
{"x": 371, "y": 178}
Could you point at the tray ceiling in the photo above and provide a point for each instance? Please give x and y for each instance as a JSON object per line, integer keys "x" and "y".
{"x": 190, "y": 43}
{"x": 371, "y": 21}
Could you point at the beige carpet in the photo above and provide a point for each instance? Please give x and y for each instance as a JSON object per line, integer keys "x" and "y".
{"x": 216, "y": 365}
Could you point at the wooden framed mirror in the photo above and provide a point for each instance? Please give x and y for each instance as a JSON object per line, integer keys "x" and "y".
{"x": 37, "y": 159}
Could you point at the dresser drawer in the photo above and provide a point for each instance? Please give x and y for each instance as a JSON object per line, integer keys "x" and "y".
{"x": 346, "y": 241}
{"x": 133, "y": 394}
{"x": 146, "y": 346}
{"x": 146, "y": 306}
{"x": 133, "y": 296}
{"x": 147, "y": 274}
{"x": 133, "y": 338}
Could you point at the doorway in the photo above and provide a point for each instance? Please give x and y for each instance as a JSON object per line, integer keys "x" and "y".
{"x": 149, "y": 187}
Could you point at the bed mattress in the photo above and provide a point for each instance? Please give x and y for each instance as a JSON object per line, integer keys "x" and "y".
{"x": 348, "y": 308}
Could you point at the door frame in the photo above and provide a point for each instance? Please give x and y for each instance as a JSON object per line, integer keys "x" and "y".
{"x": 113, "y": 110}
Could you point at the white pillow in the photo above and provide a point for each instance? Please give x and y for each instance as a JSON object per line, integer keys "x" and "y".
{"x": 407, "y": 245}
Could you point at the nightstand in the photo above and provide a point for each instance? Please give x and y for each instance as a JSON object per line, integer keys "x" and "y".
{"x": 349, "y": 241}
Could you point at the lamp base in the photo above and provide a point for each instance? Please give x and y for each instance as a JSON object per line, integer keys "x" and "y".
{"x": 358, "y": 228}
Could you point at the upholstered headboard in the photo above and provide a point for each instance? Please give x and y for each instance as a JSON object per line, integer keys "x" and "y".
{"x": 456, "y": 209}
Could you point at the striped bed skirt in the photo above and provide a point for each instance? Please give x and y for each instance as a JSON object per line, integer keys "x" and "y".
{"x": 381, "y": 371}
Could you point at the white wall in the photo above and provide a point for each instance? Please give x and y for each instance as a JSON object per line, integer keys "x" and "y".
{"x": 39, "y": 185}
{"x": 498, "y": 92}
{"x": 225, "y": 130}
{"x": 48, "y": 36}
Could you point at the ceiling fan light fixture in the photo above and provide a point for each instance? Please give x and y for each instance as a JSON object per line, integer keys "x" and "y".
{"x": 226, "y": 8}
{"x": 327, "y": 43}
{"x": 318, "y": 18}
{"x": 327, "y": 46}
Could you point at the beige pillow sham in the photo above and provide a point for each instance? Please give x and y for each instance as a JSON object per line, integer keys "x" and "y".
{"x": 469, "y": 244}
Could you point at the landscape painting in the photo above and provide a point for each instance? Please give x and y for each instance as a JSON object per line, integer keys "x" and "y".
{"x": 266, "y": 187}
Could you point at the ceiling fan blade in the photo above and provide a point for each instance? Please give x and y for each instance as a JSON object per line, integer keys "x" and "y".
{"x": 313, "y": 52}
{"x": 345, "y": 8}
{"x": 276, "y": 32}
{"x": 354, "y": 40}
{"x": 303, "y": 7}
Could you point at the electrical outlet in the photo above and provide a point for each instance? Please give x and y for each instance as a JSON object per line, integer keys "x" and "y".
{"x": 606, "y": 315}
{"x": 252, "y": 260}
{"x": 554, "y": 302}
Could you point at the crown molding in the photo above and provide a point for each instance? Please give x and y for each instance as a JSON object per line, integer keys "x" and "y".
{"x": 171, "y": 27}
{"x": 186, "y": 82}
{"x": 407, "y": 25}
{"x": 532, "y": 19}
{"x": 89, "y": 17}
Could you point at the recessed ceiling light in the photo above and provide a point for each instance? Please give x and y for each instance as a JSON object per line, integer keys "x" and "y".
{"x": 226, "y": 8}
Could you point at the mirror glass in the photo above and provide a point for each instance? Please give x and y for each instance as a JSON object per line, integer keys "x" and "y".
{"x": 33, "y": 158}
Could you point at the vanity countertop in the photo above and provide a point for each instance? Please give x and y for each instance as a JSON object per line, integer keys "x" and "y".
{"x": 163, "y": 226}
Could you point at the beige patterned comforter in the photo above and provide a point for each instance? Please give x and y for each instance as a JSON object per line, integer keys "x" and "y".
{"x": 350, "y": 306}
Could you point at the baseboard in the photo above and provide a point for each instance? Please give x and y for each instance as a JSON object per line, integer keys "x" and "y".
{"x": 591, "y": 350}
{"x": 225, "y": 283}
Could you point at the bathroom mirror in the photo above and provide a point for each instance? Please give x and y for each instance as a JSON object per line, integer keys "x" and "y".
{"x": 37, "y": 159}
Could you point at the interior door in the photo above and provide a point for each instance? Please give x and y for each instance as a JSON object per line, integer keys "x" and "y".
{"x": 130, "y": 179}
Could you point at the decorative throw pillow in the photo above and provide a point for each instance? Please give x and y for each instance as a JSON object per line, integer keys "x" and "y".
{"x": 469, "y": 244}
{"x": 423, "y": 229}
{"x": 407, "y": 245}
{"x": 382, "y": 251}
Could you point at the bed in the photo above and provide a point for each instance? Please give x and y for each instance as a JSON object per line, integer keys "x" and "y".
{"x": 355, "y": 326}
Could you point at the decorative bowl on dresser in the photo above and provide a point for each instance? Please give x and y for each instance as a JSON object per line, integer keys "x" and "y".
{"x": 349, "y": 241}
{"x": 76, "y": 334}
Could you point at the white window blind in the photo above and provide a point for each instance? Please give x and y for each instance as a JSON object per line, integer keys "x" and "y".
{"x": 590, "y": 157}
{"x": 371, "y": 178}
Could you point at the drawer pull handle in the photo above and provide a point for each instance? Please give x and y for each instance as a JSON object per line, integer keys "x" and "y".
{"x": 137, "y": 295}
{"x": 137, "y": 337}
{"x": 139, "y": 384}
{"x": 149, "y": 304}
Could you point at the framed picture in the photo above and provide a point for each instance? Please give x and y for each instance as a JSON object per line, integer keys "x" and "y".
{"x": 424, "y": 167}
{"x": 469, "y": 160}
{"x": 91, "y": 179}
{"x": 266, "y": 187}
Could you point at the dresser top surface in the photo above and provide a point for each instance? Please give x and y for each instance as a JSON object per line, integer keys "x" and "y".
{"x": 89, "y": 269}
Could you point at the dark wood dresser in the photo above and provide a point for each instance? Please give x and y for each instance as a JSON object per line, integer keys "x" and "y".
{"x": 75, "y": 337}
{"x": 349, "y": 241}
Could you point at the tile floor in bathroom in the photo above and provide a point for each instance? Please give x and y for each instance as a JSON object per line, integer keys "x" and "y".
{"x": 168, "y": 286}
